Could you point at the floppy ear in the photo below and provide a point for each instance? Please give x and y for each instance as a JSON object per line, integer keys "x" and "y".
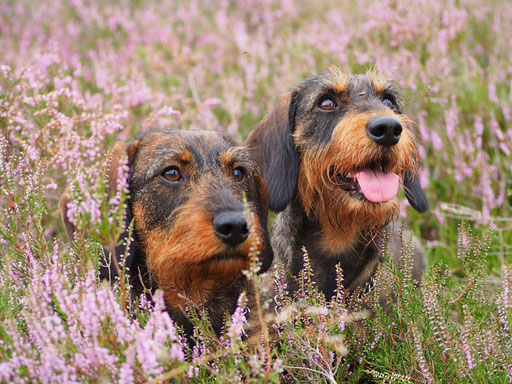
{"x": 63, "y": 207}
{"x": 117, "y": 154}
{"x": 272, "y": 145}
{"x": 266, "y": 254}
{"x": 114, "y": 161}
{"x": 414, "y": 192}
{"x": 115, "y": 157}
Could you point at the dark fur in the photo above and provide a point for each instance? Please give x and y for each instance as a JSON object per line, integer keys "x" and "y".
{"x": 175, "y": 247}
{"x": 302, "y": 150}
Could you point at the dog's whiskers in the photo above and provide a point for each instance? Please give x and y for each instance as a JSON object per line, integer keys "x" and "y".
{"x": 342, "y": 172}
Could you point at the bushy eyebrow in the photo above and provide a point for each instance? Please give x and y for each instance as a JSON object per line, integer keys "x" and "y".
{"x": 165, "y": 159}
{"x": 392, "y": 91}
{"x": 237, "y": 156}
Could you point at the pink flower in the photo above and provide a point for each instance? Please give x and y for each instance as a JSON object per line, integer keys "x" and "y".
{"x": 238, "y": 319}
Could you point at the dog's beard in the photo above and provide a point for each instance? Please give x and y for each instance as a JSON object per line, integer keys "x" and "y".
{"x": 350, "y": 153}
{"x": 353, "y": 212}
{"x": 324, "y": 200}
{"x": 188, "y": 259}
{"x": 344, "y": 219}
{"x": 345, "y": 212}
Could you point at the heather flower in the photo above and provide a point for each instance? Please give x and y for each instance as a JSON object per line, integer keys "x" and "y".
{"x": 238, "y": 319}
{"x": 507, "y": 287}
{"x": 466, "y": 334}
{"x": 75, "y": 77}
{"x": 435, "y": 314}
{"x": 420, "y": 356}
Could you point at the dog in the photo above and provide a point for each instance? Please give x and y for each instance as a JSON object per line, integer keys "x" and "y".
{"x": 333, "y": 153}
{"x": 191, "y": 237}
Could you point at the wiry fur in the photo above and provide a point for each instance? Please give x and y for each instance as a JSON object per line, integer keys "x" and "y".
{"x": 175, "y": 247}
{"x": 334, "y": 226}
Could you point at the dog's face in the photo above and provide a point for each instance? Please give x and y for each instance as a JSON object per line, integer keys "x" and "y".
{"x": 355, "y": 146}
{"x": 346, "y": 147}
{"x": 186, "y": 192}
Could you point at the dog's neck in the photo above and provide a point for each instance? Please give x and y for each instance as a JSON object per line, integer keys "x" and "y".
{"x": 354, "y": 250}
{"x": 217, "y": 295}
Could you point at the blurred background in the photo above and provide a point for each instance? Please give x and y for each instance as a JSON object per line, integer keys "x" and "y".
{"x": 77, "y": 75}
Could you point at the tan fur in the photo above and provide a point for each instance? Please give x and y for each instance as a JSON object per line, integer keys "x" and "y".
{"x": 182, "y": 260}
{"x": 379, "y": 80}
{"x": 350, "y": 148}
{"x": 115, "y": 157}
{"x": 340, "y": 82}
{"x": 63, "y": 207}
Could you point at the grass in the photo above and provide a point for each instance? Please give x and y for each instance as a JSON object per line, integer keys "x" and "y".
{"x": 75, "y": 78}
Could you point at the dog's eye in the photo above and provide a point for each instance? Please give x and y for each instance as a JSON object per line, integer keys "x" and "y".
{"x": 238, "y": 174}
{"x": 172, "y": 174}
{"x": 389, "y": 103}
{"x": 327, "y": 104}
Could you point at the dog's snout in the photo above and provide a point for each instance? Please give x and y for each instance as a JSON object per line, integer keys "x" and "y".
{"x": 384, "y": 130}
{"x": 231, "y": 227}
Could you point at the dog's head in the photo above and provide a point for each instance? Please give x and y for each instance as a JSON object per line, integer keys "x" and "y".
{"x": 342, "y": 145}
{"x": 186, "y": 199}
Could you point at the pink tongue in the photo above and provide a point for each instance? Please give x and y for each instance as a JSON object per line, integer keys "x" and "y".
{"x": 376, "y": 185}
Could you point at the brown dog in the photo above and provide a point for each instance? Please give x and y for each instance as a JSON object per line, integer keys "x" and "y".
{"x": 333, "y": 153}
{"x": 191, "y": 236}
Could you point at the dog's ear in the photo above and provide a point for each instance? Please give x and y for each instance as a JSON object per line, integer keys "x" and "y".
{"x": 63, "y": 207}
{"x": 116, "y": 157}
{"x": 114, "y": 161}
{"x": 266, "y": 254}
{"x": 272, "y": 145}
{"x": 117, "y": 154}
{"x": 414, "y": 192}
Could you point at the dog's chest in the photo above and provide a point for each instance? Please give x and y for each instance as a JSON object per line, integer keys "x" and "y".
{"x": 358, "y": 263}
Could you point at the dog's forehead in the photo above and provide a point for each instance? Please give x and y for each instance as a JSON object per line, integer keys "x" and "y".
{"x": 360, "y": 83}
{"x": 198, "y": 145}
{"x": 338, "y": 82}
{"x": 374, "y": 80}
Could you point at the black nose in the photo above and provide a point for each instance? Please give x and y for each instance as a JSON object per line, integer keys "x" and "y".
{"x": 384, "y": 130}
{"x": 231, "y": 227}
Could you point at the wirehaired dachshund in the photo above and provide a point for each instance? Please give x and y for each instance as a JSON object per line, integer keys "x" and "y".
{"x": 191, "y": 236}
{"x": 333, "y": 153}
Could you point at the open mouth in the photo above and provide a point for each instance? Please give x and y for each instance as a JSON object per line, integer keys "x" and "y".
{"x": 372, "y": 184}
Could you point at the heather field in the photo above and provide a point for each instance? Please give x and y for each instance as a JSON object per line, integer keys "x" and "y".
{"x": 76, "y": 76}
